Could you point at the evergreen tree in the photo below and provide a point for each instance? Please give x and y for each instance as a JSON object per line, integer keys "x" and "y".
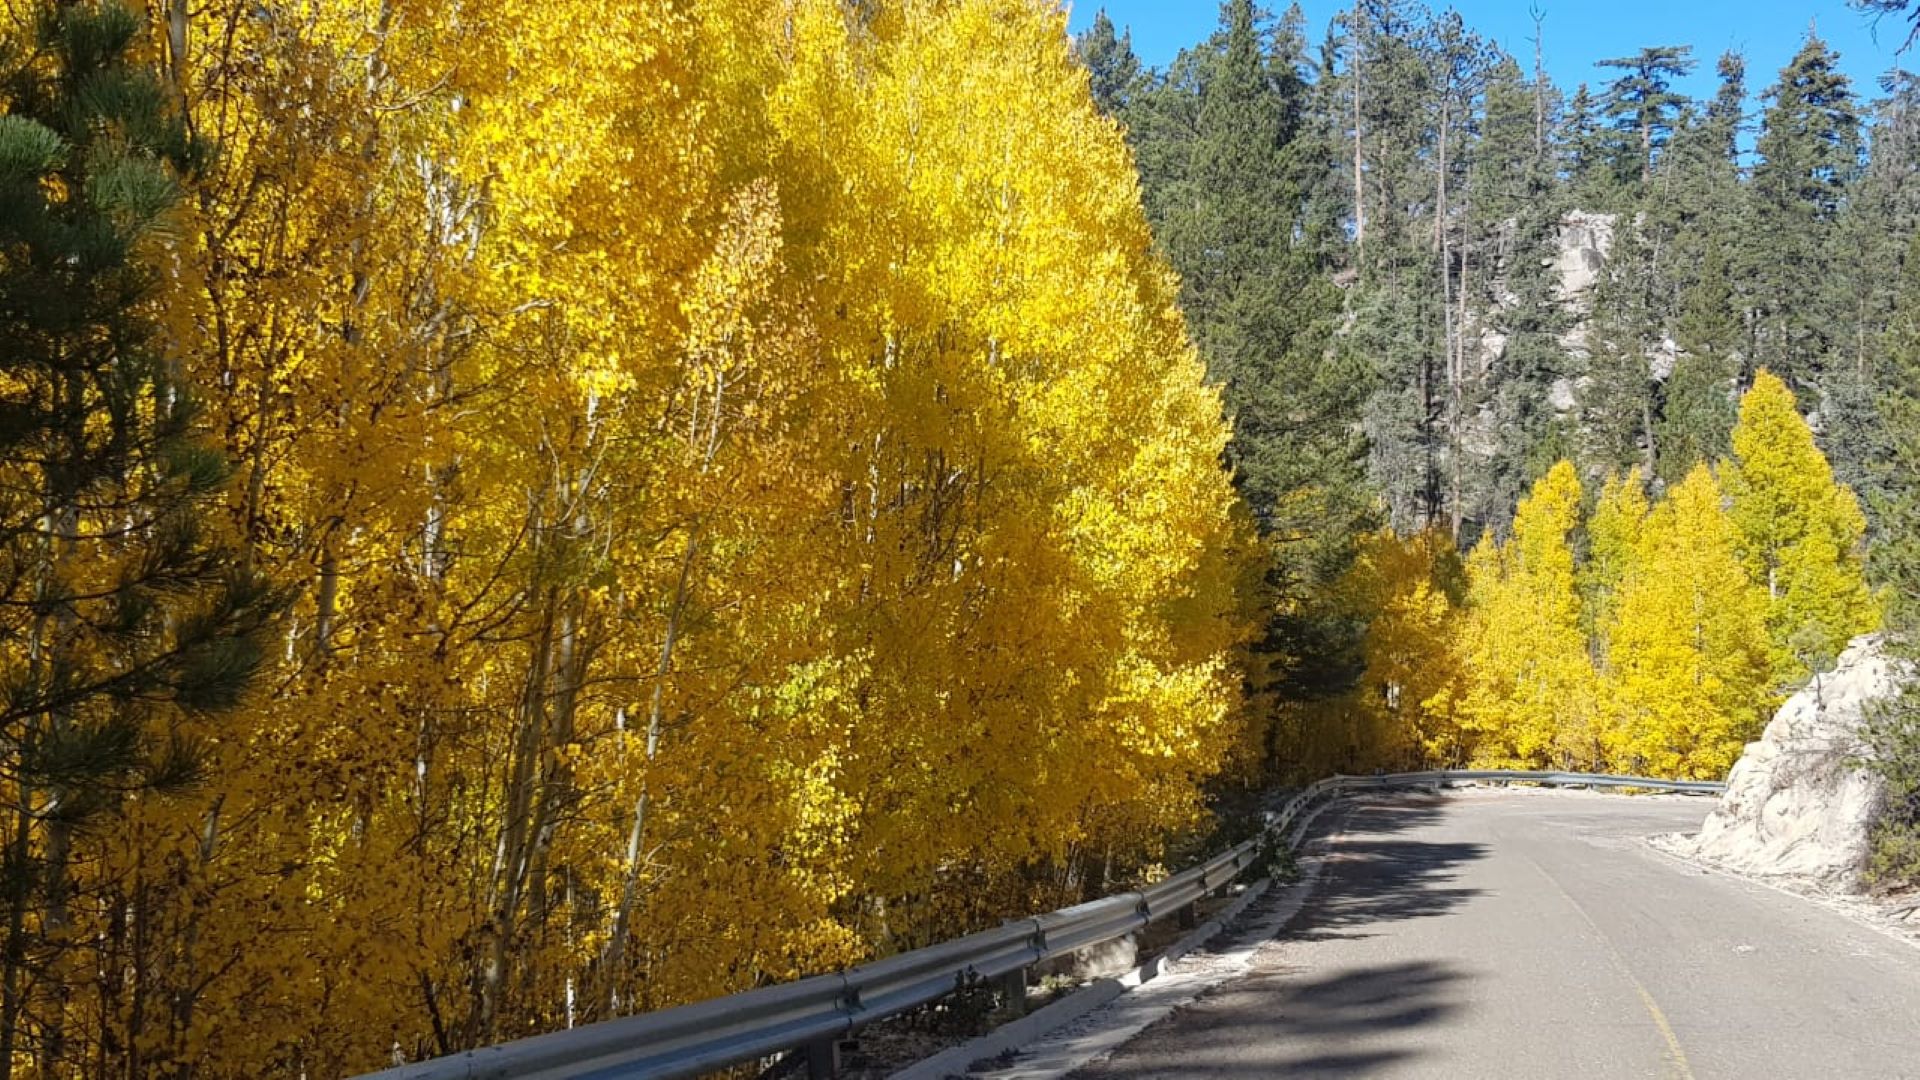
{"x": 1227, "y": 192}
{"x": 1642, "y": 102}
{"x": 1699, "y": 407}
{"x": 1592, "y": 153}
{"x": 1161, "y": 121}
{"x": 1463, "y": 63}
{"x": 1894, "y": 7}
{"x": 1727, "y": 115}
{"x": 1680, "y": 304}
{"x": 1113, "y": 68}
{"x": 141, "y": 626}
{"x": 1808, "y": 152}
{"x": 1619, "y": 398}
{"x": 1516, "y": 211}
{"x": 1258, "y": 306}
{"x": 1882, "y": 210}
{"x": 1695, "y": 201}
{"x": 1390, "y": 77}
{"x": 1894, "y": 731}
{"x": 1398, "y": 315}
{"x": 1317, "y": 153}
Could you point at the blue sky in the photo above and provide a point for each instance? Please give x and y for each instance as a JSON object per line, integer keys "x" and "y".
{"x": 1579, "y": 32}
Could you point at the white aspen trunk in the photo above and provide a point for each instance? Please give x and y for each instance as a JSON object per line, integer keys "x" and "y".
{"x": 615, "y": 957}
{"x": 616, "y": 953}
{"x": 513, "y": 856}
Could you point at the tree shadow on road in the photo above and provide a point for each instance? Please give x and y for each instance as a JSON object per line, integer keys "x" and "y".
{"x": 1272, "y": 1023}
{"x": 1372, "y": 877}
{"x": 1348, "y": 1022}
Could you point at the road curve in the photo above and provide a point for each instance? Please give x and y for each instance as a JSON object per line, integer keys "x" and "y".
{"x": 1534, "y": 934}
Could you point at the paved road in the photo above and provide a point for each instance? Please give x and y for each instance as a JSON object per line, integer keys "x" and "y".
{"x": 1535, "y": 935}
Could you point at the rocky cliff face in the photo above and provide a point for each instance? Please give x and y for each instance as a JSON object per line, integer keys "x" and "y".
{"x": 1579, "y": 263}
{"x": 1797, "y": 804}
{"x": 1585, "y": 240}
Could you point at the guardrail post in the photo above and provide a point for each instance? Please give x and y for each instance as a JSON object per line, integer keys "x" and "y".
{"x": 1013, "y": 991}
{"x": 1189, "y": 915}
{"x": 823, "y": 1059}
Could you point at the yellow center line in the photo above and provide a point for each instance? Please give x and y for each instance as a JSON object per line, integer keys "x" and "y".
{"x": 1676, "y": 1056}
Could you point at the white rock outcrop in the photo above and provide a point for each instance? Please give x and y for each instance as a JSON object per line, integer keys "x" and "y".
{"x": 1585, "y": 240}
{"x": 1797, "y": 804}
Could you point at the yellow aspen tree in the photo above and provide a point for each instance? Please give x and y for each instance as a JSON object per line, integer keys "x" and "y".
{"x": 1613, "y": 548}
{"x": 1688, "y": 659}
{"x": 1613, "y": 543}
{"x": 1401, "y": 713}
{"x": 309, "y": 286}
{"x": 1801, "y": 533}
{"x": 1532, "y": 698}
{"x": 1033, "y": 624}
{"x": 666, "y": 800}
{"x": 455, "y": 449}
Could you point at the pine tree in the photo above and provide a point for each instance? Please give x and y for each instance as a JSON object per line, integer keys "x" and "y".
{"x": 1160, "y": 120}
{"x": 1696, "y": 200}
{"x": 1388, "y": 86}
{"x": 1516, "y": 211}
{"x": 1727, "y": 115}
{"x": 1392, "y": 101}
{"x": 1894, "y": 729}
{"x": 1893, "y": 7}
{"x": 1668, "y": 290}
{"x": 1808, "y": 153}
{"x": 1111, "y": 64}
{"x": 1642, "y": 102}
{"x": 1240, "y": 211}
{"x": 1463, "y": 64}
{"x": 1317, "y": 152}
{"x": 1620, "y": 397}
{"x": 1882, "y": 210}
{"x": 1226, "y": 187}
{"x": 128, "y": 627}
{"x": 1698, "y": 411}
{"x": 1593, "y": 153}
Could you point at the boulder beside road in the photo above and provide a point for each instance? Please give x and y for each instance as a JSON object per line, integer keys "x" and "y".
{"x": 1798, "y": 804}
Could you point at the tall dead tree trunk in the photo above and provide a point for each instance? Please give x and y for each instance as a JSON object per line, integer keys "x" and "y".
{"x": 1359, "y": 161}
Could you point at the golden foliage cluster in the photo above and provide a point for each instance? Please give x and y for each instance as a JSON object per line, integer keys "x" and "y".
{"x": 742, "y": 472}
{"x": 1625, "y": 636}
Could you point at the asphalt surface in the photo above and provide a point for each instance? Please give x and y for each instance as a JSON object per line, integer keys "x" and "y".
{"x": 1534, "y": 934}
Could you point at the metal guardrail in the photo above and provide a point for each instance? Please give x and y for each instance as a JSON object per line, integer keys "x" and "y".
{"x": 812, "y": 1014}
